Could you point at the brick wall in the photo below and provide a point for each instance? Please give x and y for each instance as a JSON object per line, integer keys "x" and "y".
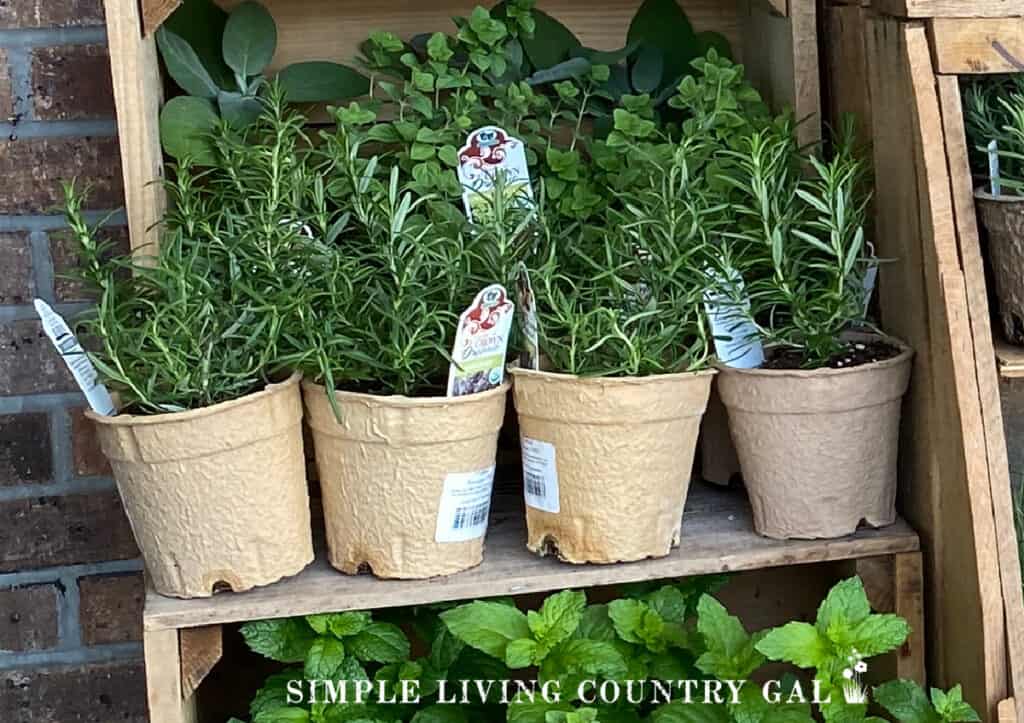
{"x": 70, "y": 581}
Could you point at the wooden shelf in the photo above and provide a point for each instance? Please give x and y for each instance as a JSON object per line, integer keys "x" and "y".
{"x": 717, "y": 536}
{"x": 1010, "y": 359}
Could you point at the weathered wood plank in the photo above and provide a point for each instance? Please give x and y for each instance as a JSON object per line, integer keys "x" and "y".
{"x": 970, "y": 46}
{"x": 163, "y": 677}
{"x": 950, "y": 8}
{"x": 201, "y": 649}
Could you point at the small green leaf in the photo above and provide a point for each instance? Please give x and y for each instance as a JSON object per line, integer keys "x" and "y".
{"x": 379, "y": 643}
{"x": 731, "y": 652}
{"x": 905, "y": 700}
{"x": 879, "y": 634}
{"x": 250, "y": 39}
{"x": 287, "y": 640}
{"x": 797, "y": 643}
{"x": 846, "y": 605}
{"x": 321, "y": 81}
{"x": 184, "y": 65}
{"x": 240, "y": 111}
{"x": 438, "y": 48}
{"x": 324, "y": 659}
{"x": 185, "y": 125}
{"x": 439, "y": 713}
{"x": 200, "y": 23}
{"x": 681, "y": 712}
{"x": 521, "y": 653}
{"x": 349, "y": 623}
{"x": 487, "y": 626}
{"x": 710, "y": 40}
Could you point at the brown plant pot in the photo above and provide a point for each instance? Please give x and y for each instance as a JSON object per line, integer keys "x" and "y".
{"x": 216, "y": 495}
{"x": 383, "y": 471}
{"x": 623, "y": 452}
{"x": 818, "y": 448}
{"x": 1003, "y": 218}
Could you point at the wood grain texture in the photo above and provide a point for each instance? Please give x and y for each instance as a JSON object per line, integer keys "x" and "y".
{"x": 846, "y": 66}
{"x": 201, "y": 649}
{"x": 1007, "y": 711}
{"x": 163, "y": 676}
{"x": 138, "y": 96}
{"x": 908, "y": 603}
{"x": 950, "y": 8}
{"x": 970, "y": 46}
{"x": 1010, "y": 359}
{"x": 987, "y": 377}
{"x": 154, "y": 12}
{"x": 717, "y": 537}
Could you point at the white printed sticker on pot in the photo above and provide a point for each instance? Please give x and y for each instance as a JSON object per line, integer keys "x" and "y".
{"x": 481, "y": 343}
{"x": 465, "y": 506}
{"x": 737, "y": 341}
{"x": 540, "y": 475}
{"x": 490, "y": 152}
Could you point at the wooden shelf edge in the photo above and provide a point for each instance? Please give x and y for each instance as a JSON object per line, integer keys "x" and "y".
{"x": 1010, "y": 359}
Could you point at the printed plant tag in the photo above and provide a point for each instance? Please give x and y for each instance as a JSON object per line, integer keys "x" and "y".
{"x": 993, "y": 169}
{"x": 489, "y": 152}
{"x": 540, "y": 475}
{"x": 465, "y": 506}
{"x": 76, "y": 359}
{"x": 870, "y": 276}
{"x": 481, "y": 343}
{"x": 737, "y": 341}
{"x": 529, "y": 358}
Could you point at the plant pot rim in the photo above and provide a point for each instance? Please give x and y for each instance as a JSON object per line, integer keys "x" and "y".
{"x": 982, "y": 194}
{"x": 516, "y": 370}
{"x": 400, "y": 400}
{"x": 137, "y": 420}
{"x": 898, "y": 360}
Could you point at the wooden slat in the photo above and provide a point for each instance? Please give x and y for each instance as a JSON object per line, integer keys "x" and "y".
{"x": 717, "y": 536}
{"x": 987, "y": 377}
{"x": 847, "y": 66}
{"x": 137, "y": 92}
{"x": 950, "y": 8}
{"x": 1010, "y": 359}
{"x": 154, "y": 12}
{"x": 970, "y": 46}
{"x": 1007, "y": 711}
{"x": 908, "y": 603}
{"x": 201, "y": 649}
{"x": 163, "y": 677}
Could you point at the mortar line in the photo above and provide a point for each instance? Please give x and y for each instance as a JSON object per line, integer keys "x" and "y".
{"x": 58, "y": 129}
{"x": 40, "y": 402}
{"x": 20, "y": 71}
{"x": 26, "y": 311}
{"x": 61, "y": 448}
{"x": 113, "y": 653}
{"x": 116, "y": 217}
{"x": 69, "y": 620}
{"x": 52, "y": 574}
{"x": 60, "y": 488}
{"x": 47, "y": 37}
{"x": 42, "y": 265}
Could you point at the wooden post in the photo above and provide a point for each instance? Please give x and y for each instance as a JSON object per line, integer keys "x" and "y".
{"x": 163, "y": 679}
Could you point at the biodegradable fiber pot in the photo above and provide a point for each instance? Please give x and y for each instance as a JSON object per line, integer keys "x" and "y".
{"x": 607, "y": 461}
{"x": 215, "y": 496}
{"x": 1003, "y": 217}
{"x": 393, "y": 473}
{"x": 818, "y": 448}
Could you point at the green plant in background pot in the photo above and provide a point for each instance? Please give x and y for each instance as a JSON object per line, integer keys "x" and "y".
{"x": 816, "y": 427}
{"x": 994, "y": 114}
{"x": 207, "y": 447}
{"x": 653, "y": 638}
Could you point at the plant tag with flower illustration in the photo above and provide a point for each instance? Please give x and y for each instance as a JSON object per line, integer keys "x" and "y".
{"x": 490, "y": 152}
{"x": 465, "y": 506}
{"x": 481, "y": 343}
{"x": 737, "y": 340}
{"x": 529, "y": 358}
{"x": 540, "y": 475}
{"x": 74, "y": 356}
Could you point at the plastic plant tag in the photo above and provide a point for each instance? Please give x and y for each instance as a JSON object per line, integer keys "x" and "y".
{"x": 481, "y": 343}
{"x": 870, "y": 276}
{"x": 993, "y": 168}
{"x": 529, "y": 358}
{"x": 737, "y": 341}
{"x": 76, "y": 359}
{"x": 491, "y": 152}
{"x": 465, "y": 506}
{"x": 540, "y": 475}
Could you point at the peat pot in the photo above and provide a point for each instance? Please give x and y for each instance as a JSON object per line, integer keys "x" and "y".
{"x": 818, "y": 448}
{"x": 406, "y": 482}
{"x": 1003, "y": 217}
{"x": 607, "y": 461}
{"x": 216, "y": 496}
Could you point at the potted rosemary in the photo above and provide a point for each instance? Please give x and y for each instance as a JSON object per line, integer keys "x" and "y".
{"x": 816, "y": 426}
{"x": 619, "y": 312}
{"x": 994, "y": 116}
{"x": 207, "y": 446}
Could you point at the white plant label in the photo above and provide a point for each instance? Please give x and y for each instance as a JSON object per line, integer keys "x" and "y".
{"x": 481, "y": 343}
{"x": 489, "y": 152}
{"x": 737, "y": 341}
{"x": 529, "y": 358}
{"x": 76, "y": 359}
{"x": 993, "y": 168}
{"x": 465, "y": 506}
{"x": 870, "y": 276}
{"x": 540, "y": 475}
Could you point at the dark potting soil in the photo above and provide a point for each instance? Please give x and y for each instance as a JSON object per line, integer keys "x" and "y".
{"x": 854, "y": 355}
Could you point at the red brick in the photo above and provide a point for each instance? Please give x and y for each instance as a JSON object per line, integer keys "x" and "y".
{"x": 97, "y": 693}
{"x": 33, "y": 170}
{"x": 29, "y": 618}
{"x": 50, "y": 13}
{"x": 25, "y": 454}
{"x": 47, "y": 531}
{"x": 64, "y": 250}
{"x": 85, "y": 447}
{"x": 28, "y": 362}
{"x": 72, "y": 82}
{"x": 16, "y": 283}
{"x": 111, "y": 608}
{"x": 6, "y": 95}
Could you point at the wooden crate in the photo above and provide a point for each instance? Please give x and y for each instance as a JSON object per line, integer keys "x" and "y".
{"x": 776, "y": 38}
{"x": 904, "y": 71}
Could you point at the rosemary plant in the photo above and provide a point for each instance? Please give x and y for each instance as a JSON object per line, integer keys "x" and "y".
{"x": 994, "y": 111}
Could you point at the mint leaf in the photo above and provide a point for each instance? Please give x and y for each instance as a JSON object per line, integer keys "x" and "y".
{"x": 282, "y": 715}
{"x": 521, "y": 710}
{"x": 588, "y": 657}
{"x": 487, "y": 626}
{"x": 905, "y": 700}
{"x": 438, "y": 713}
{"x": 324, "y": 659}
{"x": 845, "y": 606}
{"x": 286, "y": 641}
{"x": 731, "y": 652}
{"x": 797, "y": 643}
{"x": 558, "y": 618}
{"x": 669, "y": 602}
{"x": 349, "y": 623}
{"x": 595, "y": 624}
{"x": 380, "y": 643}
{"x": 635, "y": 622}
{"x": 680, "y": 712}
{"x": 951, "y": 706}
{"x": 521, "y": 653}
{"x": 879, "y": 634}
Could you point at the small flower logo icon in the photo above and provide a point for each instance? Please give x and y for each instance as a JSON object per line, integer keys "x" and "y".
{"x": 854, "y": 693}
